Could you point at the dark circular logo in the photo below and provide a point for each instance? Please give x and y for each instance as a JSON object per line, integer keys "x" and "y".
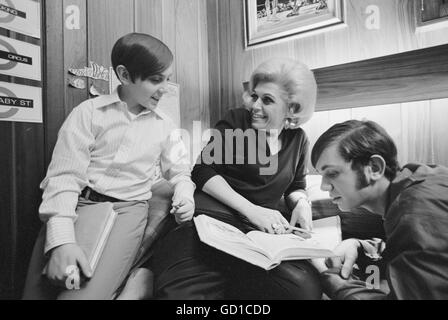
{"x": 12, "y": 111}
{"x": 10, "y": 64}
{"x": 9, "y": 17}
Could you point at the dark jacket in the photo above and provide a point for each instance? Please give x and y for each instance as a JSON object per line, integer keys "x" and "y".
{"x": 416, "y": 250}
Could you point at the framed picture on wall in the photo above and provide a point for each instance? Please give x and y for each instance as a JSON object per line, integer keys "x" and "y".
{"x": 431, "y": 14}
{"x": 269, "y": 20}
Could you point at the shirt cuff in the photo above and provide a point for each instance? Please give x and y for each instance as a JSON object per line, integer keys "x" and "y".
{"x": 184, "y": 189}
{"x": 60, "y": 230}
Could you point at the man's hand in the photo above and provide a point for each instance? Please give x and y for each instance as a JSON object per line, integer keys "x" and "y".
{"x": 347, "y": 254}
{"x": 183, "y": 210}
{"x": 63, "y": 257}
{"x": 319, "y": 264}
{"x": 302, "y": 214}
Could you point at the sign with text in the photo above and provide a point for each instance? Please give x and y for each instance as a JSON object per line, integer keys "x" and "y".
{"x": 19, "y": 59}
{"x": 21, "y": 16}
{"x": 20, "y": 103}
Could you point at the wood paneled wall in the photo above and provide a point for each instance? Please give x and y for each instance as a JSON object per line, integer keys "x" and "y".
{"x": 409, "y": 76}
{"x": 231, "y": 64}
{"x": 418, "y": 128}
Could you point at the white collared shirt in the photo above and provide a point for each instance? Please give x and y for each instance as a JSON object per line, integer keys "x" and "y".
{"x": 116, "y": 153}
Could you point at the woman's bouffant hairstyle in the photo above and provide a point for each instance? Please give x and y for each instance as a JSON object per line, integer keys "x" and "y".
{"x": 297, "y": 82}
{"x": 142, "y": 55}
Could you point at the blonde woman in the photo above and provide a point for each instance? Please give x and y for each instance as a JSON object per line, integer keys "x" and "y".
{"x": 281, "y": 97}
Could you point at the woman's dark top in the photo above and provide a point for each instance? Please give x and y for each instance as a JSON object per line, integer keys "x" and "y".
{"x": 284, "y": 172}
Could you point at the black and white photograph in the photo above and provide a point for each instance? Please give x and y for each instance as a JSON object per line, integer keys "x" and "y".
{"x": 432, "y": 14}
{"x": 230, "y": 157}
{"x": 276, "y": 19}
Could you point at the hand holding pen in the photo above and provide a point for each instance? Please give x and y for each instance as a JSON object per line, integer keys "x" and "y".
{"x": 183, "y": 210}
{"x": 303, "y": 233}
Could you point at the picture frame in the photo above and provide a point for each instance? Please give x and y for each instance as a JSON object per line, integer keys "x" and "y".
{"x": 270, "y": 20}
{"x": 431, "y": 14}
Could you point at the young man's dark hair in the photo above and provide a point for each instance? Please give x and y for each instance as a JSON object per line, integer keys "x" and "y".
{"x": 358, "y": 141}
{"x": 412, "y": 202}
{"x": 142, "y": 55}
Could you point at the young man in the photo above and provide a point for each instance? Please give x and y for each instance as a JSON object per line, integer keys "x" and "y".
{"x": 109, "y": 150}
{"x": 357, "y": 161}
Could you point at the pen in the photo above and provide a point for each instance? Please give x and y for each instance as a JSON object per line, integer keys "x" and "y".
{"x": 176, "y": 207}
{"x": 300, "y": 230}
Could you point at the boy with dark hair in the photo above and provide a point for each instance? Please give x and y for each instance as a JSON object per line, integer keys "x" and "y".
{"x": 110, "y": 149}
{"x": 357, "y": 161}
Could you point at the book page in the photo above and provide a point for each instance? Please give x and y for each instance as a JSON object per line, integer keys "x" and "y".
{"x": 224, "y": 233}
{"x": 326, "y": 236}
{"x": 268, "y": 250}
{"x": 327, "y": 232}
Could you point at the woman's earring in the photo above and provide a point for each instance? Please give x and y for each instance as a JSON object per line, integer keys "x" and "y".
{"x": 291, "y": 124}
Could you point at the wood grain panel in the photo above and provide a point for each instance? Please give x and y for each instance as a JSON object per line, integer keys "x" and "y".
{"x": 187, "y": 61}
{"x": 387, "y": 116}
{"x": 169, "y": 33}
{"x": 416, "y": 131}
{"x": 75, "y": 56}
{"x": 238, "y": 62}
{"x": 108, "y": 20}
{"x": 7, "y": 211}
{"x": 214, "y": 52}
{"x": 29, "y": 172}
{"x": 149, "y": 17}
{"x": 54, "y": 91}
{"x": 225, "y": 61}
{"x": 439, "y": 134}
{"x": 410, "y": 76}
{"x": 203, "y": 65}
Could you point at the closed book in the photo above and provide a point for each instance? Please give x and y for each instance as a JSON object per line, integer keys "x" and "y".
{"x": 93, "y": 226}
{"x": 92, "y": 229}
{"x": 268, "y": 250}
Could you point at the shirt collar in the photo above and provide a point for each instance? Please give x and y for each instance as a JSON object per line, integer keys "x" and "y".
{"x": 409, "y": 175}
{"x": 106, "y": 100}
{"x": 114, "y": 98}
{"x": 161, "y": 114}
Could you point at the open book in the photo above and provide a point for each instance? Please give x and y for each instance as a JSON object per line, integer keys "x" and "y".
{"x": 92, "y": 229}
{"x": 269, "y": 250}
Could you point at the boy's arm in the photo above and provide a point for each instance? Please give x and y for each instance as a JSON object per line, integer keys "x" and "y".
{"x": 176, "y": 167}
{"x": 66, "y": 177}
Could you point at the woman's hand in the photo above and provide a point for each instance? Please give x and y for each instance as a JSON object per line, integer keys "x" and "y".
{"x": 302, "y": 214}
{"x": 268, "y": 220}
